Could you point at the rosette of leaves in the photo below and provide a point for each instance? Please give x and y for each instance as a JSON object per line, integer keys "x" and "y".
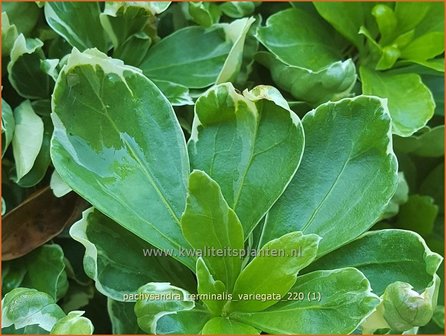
{"x": 101, "y": 101}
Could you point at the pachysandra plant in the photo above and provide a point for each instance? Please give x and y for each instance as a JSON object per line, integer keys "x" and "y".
{"x": 218, "y": 204}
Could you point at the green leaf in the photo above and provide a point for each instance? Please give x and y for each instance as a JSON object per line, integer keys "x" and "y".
{"x": 118, "y": 274}
{"x": 209, "y": 223}
{"x": 121, "y": 20}
{"x": 131, "y": 26}
{"x": 25, "y": 307}
{"x": 123, "y": 318}
{"x": 418, "y": 214}
{"x": 413, "y": 262}
{"x": 250, "y": 144}
{"x": 314, "y": 87}
{"x": 204, "y": 13}
{"x": 24, "y": 69}
{"x": 43, "y": 270}
{"x": 166, "y": 300}
{"x": 8, "y": 126}
{"x": 296, "y": 45}
{"x": 24, "y": 15}
{"x": 436, "y": 86}
{"x": 429, "y": 143}
{"x": 306, "y": 62}
{"x": 341, "y": 200}
{"x": 177, "y": 94}
{"x": 409, "y": 112}
{"x": 400, "y": 197}
{"x": 116, "y": 162}
{"x": 347, "y": 18}
{"x": 28, "y": 138}
{"x": 177, "y": 59}
{"x": 238, "y": 9}
{"x": 78, "y": 24}
{"x": 433, "y": 185}
{"x": 183, "y": 322}
{"x": 207, "y": 285}
{"x": 73, "y": 324}
{"x": 226, "y": 326}
{"x": 334, "y": 301}
{"x": 273, "y": 271}
{"x": 12, "y": 276}
{"x": 402, "y": 308}
{"x": 9, "y": 34}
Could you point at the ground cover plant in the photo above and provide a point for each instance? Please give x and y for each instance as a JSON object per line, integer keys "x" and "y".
{"x": 222, "y": 168}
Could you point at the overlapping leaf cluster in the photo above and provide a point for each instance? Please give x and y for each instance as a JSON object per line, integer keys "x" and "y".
{"x": 166, "y": 119}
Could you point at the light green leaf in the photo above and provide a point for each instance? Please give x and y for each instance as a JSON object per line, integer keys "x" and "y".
{"x": 8, "y": 126}
{"x": 9, "y": 34}
{"x": 24, "y": 15}
{"x": 24, "y": 69}
{"x": 418, "y": 214}
{"x": 27, "y": 139}
{"x": 273, "y": 271}
{"x": 433, "y": 20}
{"x": 413, "y": 263}
{"x": 335, "y": 302}
{"x": 170, "y": 300}
{"x": 120, "y": 164}
{"x": 58, "y": 186}
{"x": 411, "y": 104}
{"x": 387, "y": 22}
{"x": 78, "y": 23}
{"x": 207, "y": 285}
{"x": 177, "y": 94}
{"x": 25, "y": 307}
{"x": 177, "y": 59}
{"x": 73, "y": 324}
{"x": 209, "y": 223}
{"x": 42, "y": 161}
{"x": 236, "y": 32}
{"x": 306, "y": 62}
{"x": 410, "y": 14}
{"x": 331, "y": 83}
{"x": 123, "y": 318}
{"x": 424, "y": 47}
{"x": 118, "y": 274}
{"x": 347, "y": 18}
{"x": 250, "y": 144}
{"x": 428, "y": 143}
{"x": 226, "y": 326}
{"x": 341, "y": 200}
